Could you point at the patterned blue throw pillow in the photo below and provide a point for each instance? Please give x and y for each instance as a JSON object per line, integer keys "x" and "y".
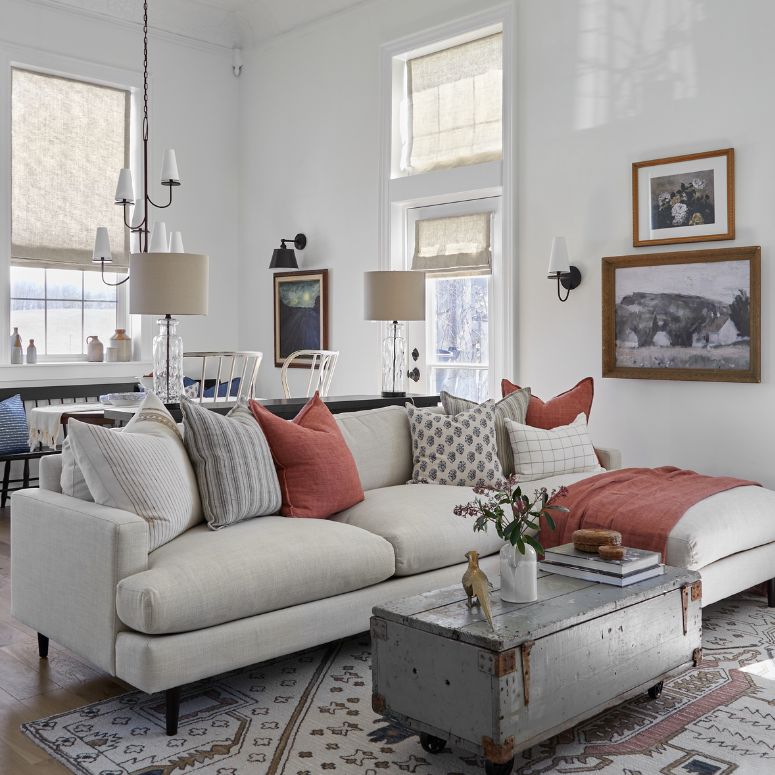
{"x": 14, "y": 434}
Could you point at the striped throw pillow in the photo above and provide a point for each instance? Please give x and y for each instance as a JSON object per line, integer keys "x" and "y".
{"x": 512, "y": 407}
{"x": 148, "y": 474}
{"x": 14, "y": 433}
{"x": 233, "y": 464}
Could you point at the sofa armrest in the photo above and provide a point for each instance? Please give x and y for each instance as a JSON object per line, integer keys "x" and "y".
{"x": 610, "y": 459}
{"x": 67, "y": 556}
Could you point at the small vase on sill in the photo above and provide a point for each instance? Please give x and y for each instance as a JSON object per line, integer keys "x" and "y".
{"x": 519, "y": 574}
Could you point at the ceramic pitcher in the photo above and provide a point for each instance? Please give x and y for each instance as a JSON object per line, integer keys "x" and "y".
{"x": 94, "y": 349}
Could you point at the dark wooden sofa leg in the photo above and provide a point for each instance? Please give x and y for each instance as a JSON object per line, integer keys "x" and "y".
{"x": 771, "y": 593}
{"x": 173, "y": 710}
{"x": 42, "y": 646}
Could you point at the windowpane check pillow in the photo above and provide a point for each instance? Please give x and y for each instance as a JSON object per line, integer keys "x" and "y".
{"x": 233, "y": 463}
{"x": 512, "y": 407}
{"x": 144, "y": 470}
{"x": 539, "y": 453}
{"x": 457, "y": 450}
{"x": 14, "y": 433}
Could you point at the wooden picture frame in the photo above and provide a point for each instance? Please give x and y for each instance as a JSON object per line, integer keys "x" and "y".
{"x": 300, "y": 314}
{"x": 689, "y": 315}
{"x": 689, "y": 198}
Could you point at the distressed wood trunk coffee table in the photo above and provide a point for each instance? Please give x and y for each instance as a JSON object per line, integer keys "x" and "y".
{"x": 582, "y": 647}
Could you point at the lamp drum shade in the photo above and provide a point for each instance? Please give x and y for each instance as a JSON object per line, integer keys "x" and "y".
{"x": 168, "y": 283}
{"x": 396, "y": 295}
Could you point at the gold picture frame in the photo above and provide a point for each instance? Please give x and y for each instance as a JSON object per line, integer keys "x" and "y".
{"x": 689, "y": 198}
{"x": 689, "y": 315}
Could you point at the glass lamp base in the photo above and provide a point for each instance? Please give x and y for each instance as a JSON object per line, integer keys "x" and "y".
{"x": 168, "y": 362}
{"x": 394, "y": 362}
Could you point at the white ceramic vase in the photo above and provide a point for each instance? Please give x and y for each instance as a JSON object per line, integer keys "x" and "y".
{"x": 519, "y": 574}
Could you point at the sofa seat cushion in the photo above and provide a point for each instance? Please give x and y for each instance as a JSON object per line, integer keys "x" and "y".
{"x": 418, "y": 522}
{"x": 204, "y": 578}
{"x": 726, "y": 523}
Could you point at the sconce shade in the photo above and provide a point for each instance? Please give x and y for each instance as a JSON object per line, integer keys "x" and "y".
{"x": 168, "y": 283}
{"x": 176, "y": 242}
{"x": 558, "y": 258}
{"x": 283, "y": 258}
{"x": 394, "y": 295}
{"x": 102, "y": 247}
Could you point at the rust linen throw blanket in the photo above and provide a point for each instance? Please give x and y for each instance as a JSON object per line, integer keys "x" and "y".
{"x": 643, "y": 504}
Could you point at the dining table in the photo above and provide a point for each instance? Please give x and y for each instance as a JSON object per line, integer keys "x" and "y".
{"x": 45, "y": 422}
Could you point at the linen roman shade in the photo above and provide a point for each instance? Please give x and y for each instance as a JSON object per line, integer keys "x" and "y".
{"x": 69, "y": 140}
{"x": 454, "y": 245}
{"x": 455, "y": 104}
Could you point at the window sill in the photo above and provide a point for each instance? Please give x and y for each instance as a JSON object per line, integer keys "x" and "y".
{"x": 71, "y": 372}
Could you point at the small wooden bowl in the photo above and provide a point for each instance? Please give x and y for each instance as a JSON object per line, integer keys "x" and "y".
{"x": 590, "y": 540}
{"x": 609, "y": 552}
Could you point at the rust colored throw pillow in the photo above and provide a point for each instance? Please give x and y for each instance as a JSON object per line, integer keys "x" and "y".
{"x": 316, "y": 469}
{"x": 560, "y": 410}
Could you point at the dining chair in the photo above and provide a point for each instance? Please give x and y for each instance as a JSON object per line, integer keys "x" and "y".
{"x": 241, "y": 366}
{"x": 321, "y": 364}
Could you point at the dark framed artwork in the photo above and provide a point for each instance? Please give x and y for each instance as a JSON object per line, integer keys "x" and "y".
{"x": 693, "y": 315}
{"x": 687, "y": 198}
{"x": 300, "y": 314}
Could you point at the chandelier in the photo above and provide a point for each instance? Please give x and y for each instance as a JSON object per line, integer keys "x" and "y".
{"x": 165, "y": 280}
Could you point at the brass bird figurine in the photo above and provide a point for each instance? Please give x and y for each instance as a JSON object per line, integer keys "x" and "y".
{"x": 476, "y": 584}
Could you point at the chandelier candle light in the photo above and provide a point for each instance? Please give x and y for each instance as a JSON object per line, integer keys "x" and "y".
{"x": 165, "y": 279}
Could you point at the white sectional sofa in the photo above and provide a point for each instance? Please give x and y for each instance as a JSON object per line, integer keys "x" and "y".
{"x": 211, "y": 601}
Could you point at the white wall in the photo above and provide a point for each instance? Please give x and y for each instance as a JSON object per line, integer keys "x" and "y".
{"x": 194, "y": 108}
{"x": 601, "y": 83}
{"x": 310, "y": 153}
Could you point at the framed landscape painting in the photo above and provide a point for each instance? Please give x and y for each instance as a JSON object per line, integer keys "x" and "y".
{"x": 684, "y": 198}
{"x": 693, "y": 315}
{"x": 300, "y": 314}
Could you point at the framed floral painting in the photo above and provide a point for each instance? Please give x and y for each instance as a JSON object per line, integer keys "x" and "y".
{"x": 689, "y": 315}
{"x": 687, "y": 198}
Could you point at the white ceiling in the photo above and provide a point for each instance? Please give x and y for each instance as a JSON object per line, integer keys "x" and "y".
{"x": 223, "y": 22}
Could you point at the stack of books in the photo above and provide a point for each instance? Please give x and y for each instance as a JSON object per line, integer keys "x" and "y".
{"x": 637, "y": 565}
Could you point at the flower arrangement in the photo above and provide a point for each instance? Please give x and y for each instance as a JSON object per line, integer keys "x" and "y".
{"x": 514, "y": 515}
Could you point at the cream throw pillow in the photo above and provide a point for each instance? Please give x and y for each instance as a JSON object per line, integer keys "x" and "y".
{"x": 539, "y": 453}
{"x": 143, "y": 469}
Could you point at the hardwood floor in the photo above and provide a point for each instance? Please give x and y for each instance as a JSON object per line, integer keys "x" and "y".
{"x": 31, "y": 687}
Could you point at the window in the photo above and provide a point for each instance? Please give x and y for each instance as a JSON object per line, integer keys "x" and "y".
{"x": 454, "y": 104}
{"x": 444, "y": 188}
{"x": 68, "y": 141}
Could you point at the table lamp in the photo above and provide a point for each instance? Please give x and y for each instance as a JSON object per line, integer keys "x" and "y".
{"x": 168, "y": 284}
{"x": 394, "y": 296}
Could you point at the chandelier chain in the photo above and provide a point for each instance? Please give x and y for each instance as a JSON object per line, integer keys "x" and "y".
{"x": 145, "y": 70}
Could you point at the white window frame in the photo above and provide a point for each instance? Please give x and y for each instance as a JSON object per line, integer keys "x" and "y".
{"x": 401, "y": 192}
{"x": 37, "y": 60}
{"x": 489, "y": 204}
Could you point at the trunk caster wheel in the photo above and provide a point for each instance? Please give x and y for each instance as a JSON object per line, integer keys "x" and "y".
{"x": 490, "y": 768}
{"x": 656, "y": 690}
{"x": 432, "y": 744}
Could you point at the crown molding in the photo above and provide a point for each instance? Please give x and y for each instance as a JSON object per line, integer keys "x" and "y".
{"x": 186, "y": 22}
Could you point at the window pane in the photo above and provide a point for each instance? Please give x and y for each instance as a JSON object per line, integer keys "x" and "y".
{"x": 99, "y": 319}
{"x": 460, "y": 329}
{"x": 65, "y": 335}
{"x": 467, "y": 383}
{"x": 27, "y": 283}
{"x": 96, "y": 290}
{"x": 30, "y": 318}
{"x": 64, "y": 283}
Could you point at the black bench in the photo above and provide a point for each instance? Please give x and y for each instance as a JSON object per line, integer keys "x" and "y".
{"x": 43, "y": 396}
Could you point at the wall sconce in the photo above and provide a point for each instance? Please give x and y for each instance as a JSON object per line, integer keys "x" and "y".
{"x": 561, "y": 269}
{"x": 285, "y": 257}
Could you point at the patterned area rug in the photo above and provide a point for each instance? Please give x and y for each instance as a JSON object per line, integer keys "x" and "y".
{"x": 310, "y": 714}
